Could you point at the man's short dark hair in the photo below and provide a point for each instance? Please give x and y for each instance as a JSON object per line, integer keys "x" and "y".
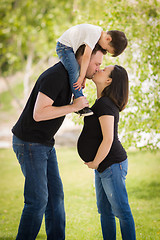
{"x": 119, "y": 41}
{"x": 81, "y": 49}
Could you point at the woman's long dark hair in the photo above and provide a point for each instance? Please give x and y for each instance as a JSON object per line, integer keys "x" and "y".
{"x": 118, "y": 90}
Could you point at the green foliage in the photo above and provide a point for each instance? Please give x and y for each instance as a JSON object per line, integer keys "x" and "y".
{"x": 140, "y": 22}
{"x": 7, "y": 97}
{"x": 29, "y": 26}
{"x": 5, "y": 100}
{"x": 32, "y": 27}
{"x": 83, "y": 221}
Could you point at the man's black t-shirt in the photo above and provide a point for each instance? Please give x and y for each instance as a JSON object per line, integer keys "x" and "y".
{"x": 54, "y": 83}
{"x": 91, "y": 135}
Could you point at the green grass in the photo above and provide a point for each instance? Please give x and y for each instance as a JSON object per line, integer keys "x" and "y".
{"x": 143, "y": 184}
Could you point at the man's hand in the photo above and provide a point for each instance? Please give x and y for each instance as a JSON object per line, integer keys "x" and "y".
{"x": 80, "y": 103}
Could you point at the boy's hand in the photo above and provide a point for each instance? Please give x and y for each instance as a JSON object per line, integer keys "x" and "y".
{"x": 84, "y": 83}
{"x": 78, "y": 84}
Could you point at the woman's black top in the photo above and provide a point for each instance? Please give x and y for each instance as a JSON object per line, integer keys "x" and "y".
{"x": 91, "y": 135}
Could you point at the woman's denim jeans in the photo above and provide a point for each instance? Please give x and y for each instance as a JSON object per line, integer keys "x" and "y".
{"x": 43, "y": 191}
{"x": 67, "y": 57}
{"x": 112, "y": 200}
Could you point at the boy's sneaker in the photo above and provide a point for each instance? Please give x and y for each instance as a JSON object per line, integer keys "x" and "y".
{"x": 85, "y": 112}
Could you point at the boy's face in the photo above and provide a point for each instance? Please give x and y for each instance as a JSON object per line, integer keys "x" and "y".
{"x": 109, "y": 49}
{"x": 104, "y": 42}
{"x": 94, "y": 65}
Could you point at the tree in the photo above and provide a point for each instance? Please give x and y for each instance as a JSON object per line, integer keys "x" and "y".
{"x": 29, "y": 30}
{"x": 140, "y": 21}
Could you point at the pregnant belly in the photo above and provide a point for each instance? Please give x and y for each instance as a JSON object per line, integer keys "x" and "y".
{"x": 87, "y": 148}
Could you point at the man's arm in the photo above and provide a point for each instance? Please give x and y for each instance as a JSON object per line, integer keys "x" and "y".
{"x": 43, "y": 109}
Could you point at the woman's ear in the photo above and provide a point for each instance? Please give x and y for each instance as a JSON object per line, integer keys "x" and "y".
{"x": 108, "y": 81}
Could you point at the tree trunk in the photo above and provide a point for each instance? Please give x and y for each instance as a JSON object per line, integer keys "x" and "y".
{"x": 28, "y": 73}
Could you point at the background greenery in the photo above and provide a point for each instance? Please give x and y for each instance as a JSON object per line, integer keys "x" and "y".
{"x": 28, "y": 33}
{"x": 143, "y": 184}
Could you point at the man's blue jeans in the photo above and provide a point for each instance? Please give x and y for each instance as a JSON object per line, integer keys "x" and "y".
{"x": 112, "y": 200}
{"x": 43, "y": 191}
{"x": 67, "y": 57}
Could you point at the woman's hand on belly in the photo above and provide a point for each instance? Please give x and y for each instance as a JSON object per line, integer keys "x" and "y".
{"x": 91, "y": 165}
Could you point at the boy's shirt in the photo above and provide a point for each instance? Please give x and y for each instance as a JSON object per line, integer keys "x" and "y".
{"x": 78, "y": 35}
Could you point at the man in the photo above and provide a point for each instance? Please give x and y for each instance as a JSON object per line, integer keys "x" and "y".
{"x": 33, "y": 143}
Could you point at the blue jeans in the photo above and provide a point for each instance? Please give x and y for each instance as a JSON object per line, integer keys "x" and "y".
{"x": 67, "y": 57}
{"x": 112, "y": 200}
{"x": 43, "y": 191}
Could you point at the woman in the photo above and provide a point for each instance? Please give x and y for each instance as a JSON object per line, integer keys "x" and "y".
{"x": 100, "y": 148}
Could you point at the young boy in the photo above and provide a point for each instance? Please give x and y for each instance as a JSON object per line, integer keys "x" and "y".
{"x": 113, "y": 42}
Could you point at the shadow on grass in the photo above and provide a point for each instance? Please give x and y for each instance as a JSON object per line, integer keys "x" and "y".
{"x": 147, "y": 191}
{"x": 7, "y": 238}
{"x": 39, "y": 237}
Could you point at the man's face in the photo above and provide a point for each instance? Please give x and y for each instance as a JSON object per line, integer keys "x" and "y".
{"x": 94, "y": 65}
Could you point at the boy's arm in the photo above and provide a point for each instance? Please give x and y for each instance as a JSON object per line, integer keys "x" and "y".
{"x": 83, "y": 68}
{"x": 43, "y": 109}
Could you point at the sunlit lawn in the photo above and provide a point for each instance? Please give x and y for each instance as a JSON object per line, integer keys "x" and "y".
{"x": 143, "y": 184}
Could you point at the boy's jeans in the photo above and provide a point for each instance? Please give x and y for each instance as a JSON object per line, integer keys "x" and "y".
{"x": 112, "y": 200}
{"x": 43, "y": 191}
{"x": 67, "y": 57}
